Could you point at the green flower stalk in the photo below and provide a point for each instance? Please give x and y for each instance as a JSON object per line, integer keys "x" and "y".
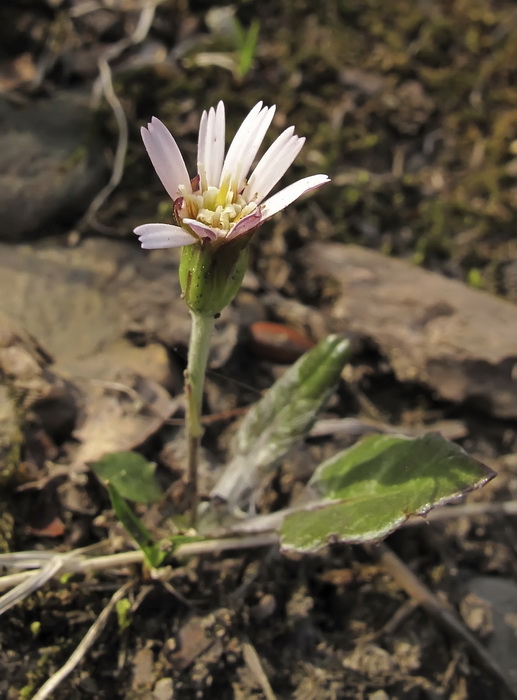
{"x": 199, "y": 347}
{"x": 216, "y": 214}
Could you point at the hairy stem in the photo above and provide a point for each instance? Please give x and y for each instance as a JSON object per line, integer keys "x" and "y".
{"x": 194, "y": 382}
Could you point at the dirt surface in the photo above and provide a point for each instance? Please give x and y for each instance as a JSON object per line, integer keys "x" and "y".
{"x": 411, "y": 109}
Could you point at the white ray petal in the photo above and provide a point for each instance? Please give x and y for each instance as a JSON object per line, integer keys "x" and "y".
{"x": 282, "y": 199}
{"x": 166, "y": 157}
{"x": 163, "y": 236}
{"x": 214, "y": 147}
{"x": 201, "y": 229}
{"x": 269, "y": 157}
{"x": 201, "y": 149}
{"x": 243, "y": 135}
{"x": 251, "y": 146}
{"x": 273, "y": 165}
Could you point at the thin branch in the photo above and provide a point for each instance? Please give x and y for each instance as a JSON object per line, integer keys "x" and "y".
{"x": 89, "y": 219}
{"x": 11, "y": 580}
{"x": 74, "y": 563}
{"x": 255, "y": 532}
{"x": 48, "y": 565}
{"x": 464, "y": 510}
{"x": 261, "y": 531}
{"x": 104, "y": 84}
{"x": 32, "y": 583}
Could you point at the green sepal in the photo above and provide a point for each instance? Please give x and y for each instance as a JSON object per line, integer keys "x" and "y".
{"x": 211, "y": 273}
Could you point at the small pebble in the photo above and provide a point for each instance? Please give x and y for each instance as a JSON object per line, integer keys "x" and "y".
{"x": 279, "y": 343}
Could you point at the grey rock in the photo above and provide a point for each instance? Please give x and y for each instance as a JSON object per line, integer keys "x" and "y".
{"x": 501, "y": 596}
{"x": 50, "y": 164}
{"x": 458, "y": 341}
{"x": 62, "y": 296}
{"x": 80, "y": 302}
{"x": 28, "y": 387}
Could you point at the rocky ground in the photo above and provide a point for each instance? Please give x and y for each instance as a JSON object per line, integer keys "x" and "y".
{"x": 411, "y": 109}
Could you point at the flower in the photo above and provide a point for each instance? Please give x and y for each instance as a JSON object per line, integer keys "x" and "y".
{"x": 221, "y": 203}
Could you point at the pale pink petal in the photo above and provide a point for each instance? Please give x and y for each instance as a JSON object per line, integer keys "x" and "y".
{"x": 245, "y": 224}
{"x": 163, "y": 236}
{"x": 201, "y": 229}
{"x": 283, "y": 198}
{"x": 165, "y": 157}
{"x": 244, "y": 134}
{"x": 273, "y": 165}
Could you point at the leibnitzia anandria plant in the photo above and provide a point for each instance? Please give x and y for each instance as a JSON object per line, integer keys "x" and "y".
{"x": 216, "y": 214}
{"x": 359, "y": 495}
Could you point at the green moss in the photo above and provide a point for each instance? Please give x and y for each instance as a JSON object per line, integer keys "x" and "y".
{"x": 6, "y": 528}
{"x": 43, "y": 668}
{"x": 11, "y": 436}
{"x": 475, "y": 278}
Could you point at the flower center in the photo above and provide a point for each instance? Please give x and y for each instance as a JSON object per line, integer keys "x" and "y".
{"x": 217, "y": 207}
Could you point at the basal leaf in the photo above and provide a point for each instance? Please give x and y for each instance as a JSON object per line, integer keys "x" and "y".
{"x": 131, "y": 474}
{"x": 292, "y": 403}
{"x": 282, "y": 418}
{"x": 377, "y": 484}
{"x": 136, "y": 528}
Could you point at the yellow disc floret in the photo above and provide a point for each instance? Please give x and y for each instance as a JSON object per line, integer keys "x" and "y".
{"x": 217, "y": 207}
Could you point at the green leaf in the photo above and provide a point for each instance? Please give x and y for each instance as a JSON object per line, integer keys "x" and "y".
{"x": 282, "y": 418}
{"x": 287, "y": 411}
{"x": 377, "y": 485}
{"x": 136, "y": 528}
{"x": 131, "y": 474}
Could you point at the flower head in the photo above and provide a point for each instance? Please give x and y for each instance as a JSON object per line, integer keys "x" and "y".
{"x": 221, "y": 202}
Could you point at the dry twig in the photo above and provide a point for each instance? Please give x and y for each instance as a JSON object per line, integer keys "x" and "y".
{"x": 33, "y": 582}
{"x": 104, "y": 85}
{"x": 261, "y": 531}
{"x": 74, "y": 562}
{"x": 253, "y": 662}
